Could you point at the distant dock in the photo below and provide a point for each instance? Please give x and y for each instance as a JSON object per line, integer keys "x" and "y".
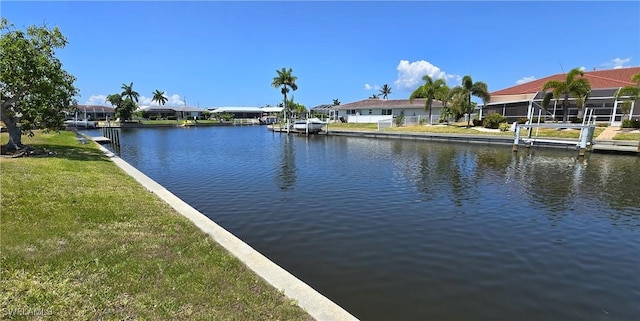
{"x": 101, "y": 139}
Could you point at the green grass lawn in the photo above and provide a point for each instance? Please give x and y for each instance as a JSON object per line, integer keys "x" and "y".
{"x": 160, "y": 122}
{"x": 353, "y": 126}
{"x": 627, "y": 136}
{"x": 81, "y": 240}
{"x": 458, "y": 128}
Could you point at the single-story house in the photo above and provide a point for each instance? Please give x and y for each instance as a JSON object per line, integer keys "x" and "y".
{"x": 184, "y": 112}
{"x": 247, "y": 112}
{"x": 374, "y": 110}
{"x": 526, "y": 99}
{"x": 93, "y": 112}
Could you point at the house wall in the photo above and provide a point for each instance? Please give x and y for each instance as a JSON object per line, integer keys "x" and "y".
{"x": 367, "y": 118}
{"x": 363, "y": 115}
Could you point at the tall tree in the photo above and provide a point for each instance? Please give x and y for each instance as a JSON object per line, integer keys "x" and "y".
{"x": 336, "y": 102}
{"x": 461, "y": 95}
{"x": 158, "y": 96}
{"x": 629, "y": 94}
{"x": 375, "y": 96}
{"x": 444, "y": 96}
{"x": 286, "y": 80}
{"x": 385, "y": 91}
{"x": 128, "y": 92}
{"x": 115, "y": 100}
{"x": 34, "y": 89}
{"x": 428, "y": 91}
{"x": 574, "y": 84}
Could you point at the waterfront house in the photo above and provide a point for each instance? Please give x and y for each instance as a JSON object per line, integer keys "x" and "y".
{"x": 526, "y": 99}
{"x": 324, "y": 110}
{"x": 182, "y": 112}
{"x": 375, "y": 110}
{"x": 247, "y": 112}
{"x": 93, "y": 112}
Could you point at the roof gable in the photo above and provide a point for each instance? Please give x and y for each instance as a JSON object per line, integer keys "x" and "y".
{"x": 599, "y": 79}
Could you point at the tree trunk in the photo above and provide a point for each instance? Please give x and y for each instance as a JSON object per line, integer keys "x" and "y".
{"x": 469, "y": 108}
{"x": 15, "y": 134}
{"x": 565, "y": 109}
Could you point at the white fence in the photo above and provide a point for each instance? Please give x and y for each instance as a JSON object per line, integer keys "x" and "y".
{"x": 408, "y": 121}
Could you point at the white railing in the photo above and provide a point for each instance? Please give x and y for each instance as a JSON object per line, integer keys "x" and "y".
{"x": 246, "y": 121}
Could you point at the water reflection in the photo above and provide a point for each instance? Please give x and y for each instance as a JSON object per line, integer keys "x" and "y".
{"x": 286, "y": 164}
{"x": 407, "y": 230}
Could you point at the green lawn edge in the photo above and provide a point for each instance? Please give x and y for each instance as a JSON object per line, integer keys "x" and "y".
{"x": 457, "y": 129}
{"x": 82, "y": 240}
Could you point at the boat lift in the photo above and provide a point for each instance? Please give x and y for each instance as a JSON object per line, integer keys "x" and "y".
{"x": 583, "y": 144}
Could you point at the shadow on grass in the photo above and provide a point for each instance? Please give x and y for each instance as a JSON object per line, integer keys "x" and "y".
{"x": 80, "y": 152}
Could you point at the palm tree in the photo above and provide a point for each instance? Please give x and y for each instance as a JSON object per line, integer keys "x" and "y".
{"x": 631, "y": 92}
{"x": 461, "y": 95}
{"x": 336, "y": 102}
{"x": 158, "y": 96}
{"x": 572, "y": 85}
{"x": 444, "y": 95}
{"x": 428, "y": 91}
{"x": 374, "y": 96}
{"x": 284, "y": 79}
{"x": 385, "y": 91}
{"x": 128, "y": 92}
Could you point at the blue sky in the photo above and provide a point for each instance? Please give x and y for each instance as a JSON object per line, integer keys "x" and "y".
{"x": 216, "y": 54}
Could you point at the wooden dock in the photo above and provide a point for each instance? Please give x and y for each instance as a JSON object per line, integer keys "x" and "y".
{"x": 101, "y": 139}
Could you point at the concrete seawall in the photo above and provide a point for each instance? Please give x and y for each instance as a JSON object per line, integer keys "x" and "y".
{"x": 604, "y": 146}
{"x": 317, "y": 305}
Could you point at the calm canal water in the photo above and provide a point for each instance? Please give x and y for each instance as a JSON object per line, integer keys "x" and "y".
{"x": 402, "y": 230}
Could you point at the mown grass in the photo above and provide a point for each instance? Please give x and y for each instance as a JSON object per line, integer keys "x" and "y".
{"x": 627, "y": 136}
{"x": 564, "y": 133}
{"x": 81, "y": 240}
{"x": 449, "y": 129}
{"x": 459, "y": 128}
{"x": 353, "y": 126}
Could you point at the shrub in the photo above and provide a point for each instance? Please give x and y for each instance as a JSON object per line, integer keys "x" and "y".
{"x": 522, "y": 120}
{"x": 631, "y": 123}
{"x": 493, "y": 121}
{"x": 422, "y": 121}
{"x": 535, "y": 120}
{"x": 400, "y": 119}
{"x": 504, "y": 127}
{"x": 172, "y": 117}
{"x": 477, "y": 122}
{"x": 576, "y": 121}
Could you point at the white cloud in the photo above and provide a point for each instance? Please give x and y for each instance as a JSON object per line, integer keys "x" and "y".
{"x": 410, "y": 74}
{"x": 96, "y": 100}
{"x": 369, "y": 87}
{"x": 617, "y": 63}
{"x": 525, "y": 80}
{"x": 173, "y": 100}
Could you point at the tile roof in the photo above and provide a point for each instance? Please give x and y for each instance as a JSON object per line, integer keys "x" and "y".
{"x": 387, "y": 104}
{"x": 599, "y": 79}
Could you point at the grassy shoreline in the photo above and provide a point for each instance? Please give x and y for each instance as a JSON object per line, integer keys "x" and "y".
{"x": 460, "y": 128}
{"x": 80, "y": 239}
